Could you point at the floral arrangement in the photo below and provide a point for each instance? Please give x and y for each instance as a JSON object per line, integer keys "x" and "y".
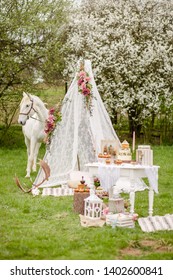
{"x": 53, "y": 118}
{"x": 85, "y": 87}
{"x": 96, "y": 182}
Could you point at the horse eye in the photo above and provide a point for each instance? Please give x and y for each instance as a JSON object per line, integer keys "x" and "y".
{"x": 27, "y": 105}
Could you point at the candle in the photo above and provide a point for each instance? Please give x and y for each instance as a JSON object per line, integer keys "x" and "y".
{"x": 133, "y": 146}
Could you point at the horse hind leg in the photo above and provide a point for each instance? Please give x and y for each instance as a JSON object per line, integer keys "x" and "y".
{"x": 34, "y": 166}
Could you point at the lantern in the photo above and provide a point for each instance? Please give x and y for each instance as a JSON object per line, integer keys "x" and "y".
{"x": 144, "y": 155}
{"x": 93, "y": 207}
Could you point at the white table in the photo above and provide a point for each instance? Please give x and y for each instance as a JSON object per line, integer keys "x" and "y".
{"x": 110, "y": 173}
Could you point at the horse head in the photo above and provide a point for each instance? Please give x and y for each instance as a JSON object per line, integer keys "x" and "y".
{"x": 26, "y": 108}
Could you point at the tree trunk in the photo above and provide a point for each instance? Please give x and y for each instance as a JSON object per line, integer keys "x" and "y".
{"x": 134, "y": 126}
{"x": 114, "y": 119}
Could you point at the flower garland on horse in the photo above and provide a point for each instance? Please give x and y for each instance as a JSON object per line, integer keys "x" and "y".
{"x": 54, "y": 116}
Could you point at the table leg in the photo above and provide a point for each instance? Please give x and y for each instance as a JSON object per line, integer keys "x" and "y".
{"x": 132, "y": 191}
{"x": 151, "y": 200}
{"x": 132, "y": 202}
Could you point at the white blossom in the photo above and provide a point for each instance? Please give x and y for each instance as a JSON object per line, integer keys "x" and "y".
{"x": 131, "y": 48}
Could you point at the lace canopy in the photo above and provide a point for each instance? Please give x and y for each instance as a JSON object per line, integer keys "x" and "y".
{"x": 77, "y": 138}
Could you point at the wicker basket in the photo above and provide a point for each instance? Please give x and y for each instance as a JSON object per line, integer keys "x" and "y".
{"x": 78, "y": 202}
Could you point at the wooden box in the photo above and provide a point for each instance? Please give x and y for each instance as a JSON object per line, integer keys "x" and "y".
{"x": 78, "y": 202}
{"x": 116, "y": 205}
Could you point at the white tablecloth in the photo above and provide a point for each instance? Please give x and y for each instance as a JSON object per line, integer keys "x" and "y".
{"x": 109, "y": 175}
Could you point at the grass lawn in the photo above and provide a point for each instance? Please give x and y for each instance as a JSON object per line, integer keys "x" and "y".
{"x": 44, "y": 228}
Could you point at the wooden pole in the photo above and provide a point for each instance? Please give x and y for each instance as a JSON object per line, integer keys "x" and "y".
{"x": 78, "y": 162}
{"x": 66, "y": 87}
{"x": 133, "y": 146}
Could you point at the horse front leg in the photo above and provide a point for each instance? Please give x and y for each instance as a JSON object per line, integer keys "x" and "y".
{"x": 37, "y": 147}
{"x": 33, "y": 143}
{"x": 27, "y": 143}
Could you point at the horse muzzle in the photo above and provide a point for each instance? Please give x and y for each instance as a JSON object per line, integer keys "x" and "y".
{"x": 21, "y": 122}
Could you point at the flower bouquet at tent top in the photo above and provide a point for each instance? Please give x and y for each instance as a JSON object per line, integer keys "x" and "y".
{"x": 53, "y": 118}
{"x": 85, "y": 87}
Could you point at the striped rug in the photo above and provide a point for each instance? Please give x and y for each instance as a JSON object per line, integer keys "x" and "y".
{"x": 61, "y": 191}
{"x": 154, "y": 223}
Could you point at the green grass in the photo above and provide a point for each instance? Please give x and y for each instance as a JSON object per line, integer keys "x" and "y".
{"x": 51, "y": 95}
{"x": 44, "y": 228}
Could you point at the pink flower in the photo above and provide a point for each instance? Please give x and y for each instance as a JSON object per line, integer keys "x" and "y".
{"x": 87, "y": 79}
{"x": 86, "y": 91}
{"x": 105, "y": 211}
{"x": 50, "y": 124}
{"x": 51, "y": 111}
{"x": 80, "y": 81}
{"x": 82, "y": 74}
{"x": 83, "y": 86}
{"x": 51, "y": 118}
{"x": 135, "y": 217}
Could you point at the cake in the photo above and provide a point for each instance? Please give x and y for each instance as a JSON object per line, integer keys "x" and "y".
{"x": 103, "y": 157}
{"x": 118, "y": 161}
{"x": 124, "y": 154}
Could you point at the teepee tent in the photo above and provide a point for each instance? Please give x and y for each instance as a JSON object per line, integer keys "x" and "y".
{"x": 77, "y": 138}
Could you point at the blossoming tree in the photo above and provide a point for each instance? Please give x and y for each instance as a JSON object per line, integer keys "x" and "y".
{"x": 131, "y": 48}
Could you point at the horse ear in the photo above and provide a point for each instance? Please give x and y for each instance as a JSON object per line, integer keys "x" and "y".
{"x": 25, "y": 94}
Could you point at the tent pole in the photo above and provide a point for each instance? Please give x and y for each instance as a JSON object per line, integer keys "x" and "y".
{"x": 78, "y": 162}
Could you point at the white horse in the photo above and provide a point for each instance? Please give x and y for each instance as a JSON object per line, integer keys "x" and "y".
{"x": 32, "y": 117}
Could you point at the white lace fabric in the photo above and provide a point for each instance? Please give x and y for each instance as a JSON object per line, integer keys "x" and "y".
{"x": 110, "y": 176}
{"x": 152, "y": 174}
{"x": 77, "y": 138}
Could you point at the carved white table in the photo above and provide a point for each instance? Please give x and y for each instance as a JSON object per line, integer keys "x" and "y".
{"x": 109, "y": 174}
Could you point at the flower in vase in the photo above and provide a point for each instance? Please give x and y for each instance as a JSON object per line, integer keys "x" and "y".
{"x": 96, "y": 182}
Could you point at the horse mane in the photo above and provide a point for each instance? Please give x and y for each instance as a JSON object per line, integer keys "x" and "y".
{"x": 29, "y": 96}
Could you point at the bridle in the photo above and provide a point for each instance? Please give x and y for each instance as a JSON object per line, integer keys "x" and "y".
{"x": 32, "y": 107}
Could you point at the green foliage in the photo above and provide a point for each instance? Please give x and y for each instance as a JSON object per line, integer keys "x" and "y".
{"x": 29, "y": 30}
{"x": 47, "y": 228}
{"x": 52, "y": 96}
{"x": 13, "y": 138}
{"x": 32, "y": 33}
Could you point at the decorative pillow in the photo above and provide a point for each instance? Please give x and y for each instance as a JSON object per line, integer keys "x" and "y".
{"x": 73, "y": 184}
